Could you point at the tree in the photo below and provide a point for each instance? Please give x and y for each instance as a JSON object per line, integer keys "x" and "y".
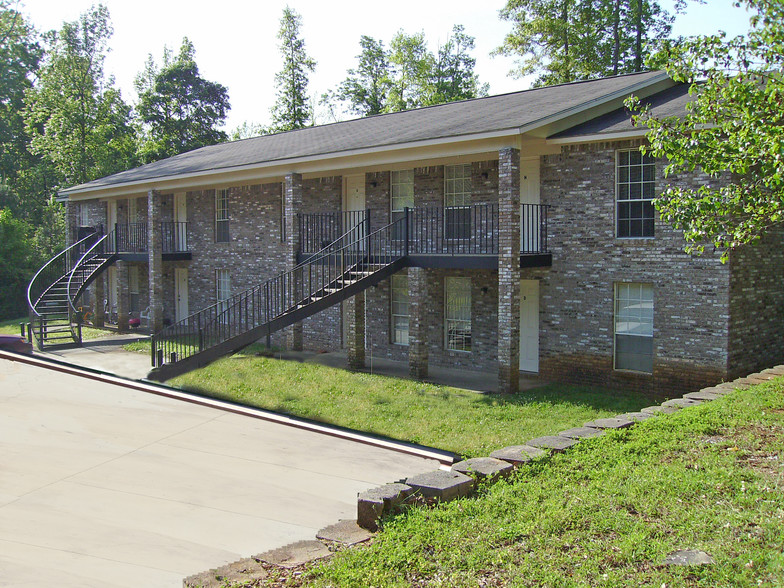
{"x": 19, "y": 58}
{"x": 77, "y": 120}
{"x": 178, "y": 110}
{"x": 16, "y": 264}
{"x": 291, "y": 110}
{"x": 367, "y": 87}
{"x": 412, "y": 65}
{"x": 568, "y": 40}
{"x": 733, "y": 131}
{"x": 453, "y": 71}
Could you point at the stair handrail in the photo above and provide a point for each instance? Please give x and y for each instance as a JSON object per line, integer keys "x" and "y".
{"x": 211, "y": 315}
{"x": 89, "y": 253}
{"x": 64, "y": 253}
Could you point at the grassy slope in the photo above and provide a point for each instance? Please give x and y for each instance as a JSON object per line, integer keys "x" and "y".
{"x": 448, "y": 418}
{"x": 607, "y": 513}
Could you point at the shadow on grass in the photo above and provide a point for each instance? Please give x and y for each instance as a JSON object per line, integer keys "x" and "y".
{"x": 620, "y": 401}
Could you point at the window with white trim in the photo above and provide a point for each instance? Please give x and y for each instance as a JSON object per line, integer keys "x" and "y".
{"x": 401, "y": 196}
{"x": 633, "y": 319}
{"x": 222, "y": 288}
{"x": 457, "y": 200}
{"x": 457, "y": 314}
{"x": 398, "y": 299}
{"x": 635, "y": 176}
{"x": 84, "y": 215}
{"x": 134, "y": 290}
{"x": 222, "y": 216}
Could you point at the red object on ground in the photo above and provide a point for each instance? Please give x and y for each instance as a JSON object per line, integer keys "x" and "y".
{"x": 134, "y": 323}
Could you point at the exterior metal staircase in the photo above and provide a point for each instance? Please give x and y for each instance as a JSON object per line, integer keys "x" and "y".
{"x": 352, "y": 263}
{"x": 54, "y": 291}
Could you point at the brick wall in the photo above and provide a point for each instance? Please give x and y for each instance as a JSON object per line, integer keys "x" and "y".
{"x": 756, "y": 333}
{"x": 690, "y": 293}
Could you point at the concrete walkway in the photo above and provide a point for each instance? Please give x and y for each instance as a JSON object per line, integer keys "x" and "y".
{"x": 106, "y": 354}
{"x": 105, "y": 486}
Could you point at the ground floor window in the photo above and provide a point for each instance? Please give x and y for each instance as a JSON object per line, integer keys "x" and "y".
{"x": 634, "y": 327}
{"x": 457, "y": 314}
{"x": 399, "y": 308}
{"x": 133, "y": 288}
{"x": 222, "y": 288}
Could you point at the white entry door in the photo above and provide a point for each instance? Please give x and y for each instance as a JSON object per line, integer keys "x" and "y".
{"x": 180, "y": 219}
{"x": 180, "y": 293}
{"x": 529, "y": 325}
{"x": 530, "y": 216}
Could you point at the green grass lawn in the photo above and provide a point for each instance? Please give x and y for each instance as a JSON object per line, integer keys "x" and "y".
{"x": 456, "y": 420}
{"x": 606, "y": 513}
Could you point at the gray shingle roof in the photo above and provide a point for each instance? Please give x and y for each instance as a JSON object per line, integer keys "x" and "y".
{"x": 454, "y": 120}
{"x": 670, "y": 102}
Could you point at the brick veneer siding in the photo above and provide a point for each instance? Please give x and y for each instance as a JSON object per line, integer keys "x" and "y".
{"x": 756, "y": 332}
{"x": 576, "y": 295}
{"x": 484, "y": 321}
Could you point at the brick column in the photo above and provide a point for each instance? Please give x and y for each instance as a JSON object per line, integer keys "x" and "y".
{"x": 155, "y": 260}
{"x": 417, "y": 323}
{"x": 356, "y": 331}
{"x": 99, "y": 293}
{"x": 71, "y": 220}
{"x": 122, "y": 296}
{"x": 508, "y": 270}
{"x": 292, "y": 203}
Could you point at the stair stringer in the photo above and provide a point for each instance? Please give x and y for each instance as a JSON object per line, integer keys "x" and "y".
{"x": 238, "y": 342}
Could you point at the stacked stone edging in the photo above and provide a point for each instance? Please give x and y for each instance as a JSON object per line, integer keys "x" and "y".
{"x": 370, "y": 510}
{"x": 443, "y": 486}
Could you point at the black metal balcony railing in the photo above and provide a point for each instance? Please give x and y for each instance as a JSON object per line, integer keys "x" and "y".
{"x": 317, "y": 230}
{"x": 132, "y": 238}
{"x": 458, "y": 230}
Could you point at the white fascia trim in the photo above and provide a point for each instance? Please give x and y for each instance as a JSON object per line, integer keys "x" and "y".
{"x": 595, "y": 102}
{"x": 598, "y": 137}
{"x": 144, "y": 185}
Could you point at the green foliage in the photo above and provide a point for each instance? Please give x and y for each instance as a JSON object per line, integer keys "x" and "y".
{"x": 17, "y": 263}
{"x": 568, "y": 40}
{"x": 366, "y": 88}
{"x": 178, "y": 109}
{"x": 409, "y": 75}
{"x": 19, "y": 57}
{"x": 292, "y": 110}
{"x": 77, "y": 120}
{"x": 606, "y": 513}
{"x": 733, "y": 131}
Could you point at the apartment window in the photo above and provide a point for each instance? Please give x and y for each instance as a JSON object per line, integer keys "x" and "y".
{"x": 634, "y": 327}
{"x": 402, "y": 196}
{"x": 399, "y": 309}
{"x": 133, "y": 288}
{"x": 222, "y": 216}
{"x": 635, "y": 179}
{"x": 84, "y": 215}
{"x": 222, "y": 288}
{"x": 457, "y": 311}
{"x": 457, "y": 199}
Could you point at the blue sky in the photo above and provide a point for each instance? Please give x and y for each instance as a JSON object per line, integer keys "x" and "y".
{"x": 236, "y": 44}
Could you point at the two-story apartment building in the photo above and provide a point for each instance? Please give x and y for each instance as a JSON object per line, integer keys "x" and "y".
{"x": 513, "y": 233}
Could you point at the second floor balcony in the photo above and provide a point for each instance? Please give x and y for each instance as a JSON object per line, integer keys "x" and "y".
{"x": 456, "y": 237}
{"x": 130, "y": 241}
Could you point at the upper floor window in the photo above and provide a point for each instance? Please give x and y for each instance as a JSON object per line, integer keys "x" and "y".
{"x": 222, "y": 216}
{"x": 399, "y": 308}
{"x": 457, "y": 199}
{"x": 84, "y": 215}
{"x": 635, "y": 178}
{"x": 634, "y": 327}
{"x": 401, "y": 197}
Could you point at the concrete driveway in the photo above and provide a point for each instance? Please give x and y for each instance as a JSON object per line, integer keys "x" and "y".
{"x": 101, "y": 485}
